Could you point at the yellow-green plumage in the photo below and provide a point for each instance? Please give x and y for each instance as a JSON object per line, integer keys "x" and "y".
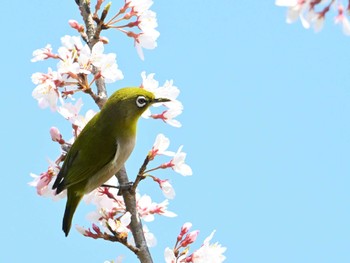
{"x": 102, "y": 147}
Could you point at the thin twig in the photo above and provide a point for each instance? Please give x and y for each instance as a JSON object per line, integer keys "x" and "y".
{"x": 140, "y": 175}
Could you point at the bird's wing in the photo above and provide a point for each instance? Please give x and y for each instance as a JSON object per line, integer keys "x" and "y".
{"x": 83, "y": 162}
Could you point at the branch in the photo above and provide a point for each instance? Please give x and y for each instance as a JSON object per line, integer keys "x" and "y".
{"x": 129, "y": 196}
{"x": 140, "y": 175}
{"x": 136, "y": 225}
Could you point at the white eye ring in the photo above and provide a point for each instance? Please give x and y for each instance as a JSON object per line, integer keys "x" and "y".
{"x": 141, "y": 101}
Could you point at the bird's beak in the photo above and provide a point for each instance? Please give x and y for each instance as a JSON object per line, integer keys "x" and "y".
{"x": 158, "y": 100}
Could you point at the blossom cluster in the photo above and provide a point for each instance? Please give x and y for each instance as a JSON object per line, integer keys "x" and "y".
{"x": 75, "y": 63}
{"x": 111, "y": 220}
{"x": 168, "y": 90}
{"x": 145, "y": 20}
{"x": 212, "y": 253}
{"x": 312, "y": 13}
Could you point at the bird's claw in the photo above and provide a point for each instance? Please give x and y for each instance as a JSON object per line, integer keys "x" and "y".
{"x": 126, "y": 186}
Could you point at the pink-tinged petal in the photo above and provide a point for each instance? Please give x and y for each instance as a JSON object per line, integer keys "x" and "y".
{"x": 167, "y": 189}
{"x": 125, "y": 220}
{"x": 186, "y": 227}
{"x": 148, "y": 82}
{"x": 160, "y": 147}
{"x": 56, "y": 136}
{"x": 179, "y": 164}
{"x": 169, "y": 256}
{"x": 209, "y": 252}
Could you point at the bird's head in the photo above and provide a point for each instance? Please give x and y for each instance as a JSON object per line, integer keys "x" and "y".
{"x": 131, "y": 102}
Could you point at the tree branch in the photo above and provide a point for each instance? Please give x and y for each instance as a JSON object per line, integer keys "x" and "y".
{"x": 129, "y": 196}
{"x": 136, "y": 225}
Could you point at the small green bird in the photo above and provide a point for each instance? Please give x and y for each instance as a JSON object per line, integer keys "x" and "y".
{"x": 102, "y": 147}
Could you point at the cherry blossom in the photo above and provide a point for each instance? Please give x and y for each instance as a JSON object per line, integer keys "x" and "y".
{"x": 151, "y": 240}
{"x": 71, "y": 42}
{"x": 169, "y": 256}
{"x": 160, "y": 147}
{"x": 67, "y": 63}
{"x": 146, "y": 39}
{"x": 43, "y": 53}
{"x": 70, "y": 111}
{"x": 178, "y": 163}
{"x": 47, "y": 95}
{"x": 139, "y": 6}
{"x": 147, "y": 208}
{"x": 313, "y": 12}
{"x": 167, "y": 188}
{"x": 120, "y": 225}
{"x": 50, "y": 76}
{"x": 148, "y": 82}
{"x": 109, "y": 69}
{"x": 296, "y": 9}
{"x": 209, "y": 252}
{"x": 147, "y": 20}
{"x": 96, "y": 54}
{"x": 341, "y": 18}
{"x": 168, "y": 117}
{"x": 168, "y": 90}
{"x": 80, "y": 121}
{"x": 43, "y": 182}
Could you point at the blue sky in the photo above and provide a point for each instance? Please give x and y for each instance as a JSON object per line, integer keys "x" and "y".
{"x": 266, "y": 129}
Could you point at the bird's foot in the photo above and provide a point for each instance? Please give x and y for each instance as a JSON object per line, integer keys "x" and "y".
{"x": 126, "y": 186}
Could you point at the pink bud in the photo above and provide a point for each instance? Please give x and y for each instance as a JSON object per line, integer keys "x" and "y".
{"x": 96, "y": 228}
{"x": 167, "y": 165}
{"x": 55, "y": 134}
{"x": 74, "y": 24}
{"x": 152, "y": 153}
{"x": 190, "y": 238}
{"x": 186, "y": 227}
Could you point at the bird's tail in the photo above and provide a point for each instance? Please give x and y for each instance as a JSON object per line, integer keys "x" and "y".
{"x": 72, "y": 203}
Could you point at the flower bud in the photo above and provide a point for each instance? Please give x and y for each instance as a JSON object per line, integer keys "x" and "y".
{"x": 56, "y": 136}
{"x": 74, "y": 24}
{"x": 190, "y": 238}
{"x": 186, "y": 227}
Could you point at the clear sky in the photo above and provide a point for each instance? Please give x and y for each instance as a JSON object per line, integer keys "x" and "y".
{"x": 265, "y": 125}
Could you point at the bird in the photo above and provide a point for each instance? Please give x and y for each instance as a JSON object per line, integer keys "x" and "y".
{"x": 102, "y": 147}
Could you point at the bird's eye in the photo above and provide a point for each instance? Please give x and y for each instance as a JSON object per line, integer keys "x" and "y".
{"x": 141, "y": 101}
